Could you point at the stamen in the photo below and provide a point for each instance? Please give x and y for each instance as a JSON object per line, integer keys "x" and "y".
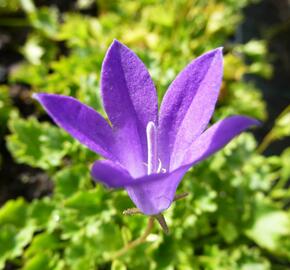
{"x": 152, "y": 147}
{"x": 159, "y": 166}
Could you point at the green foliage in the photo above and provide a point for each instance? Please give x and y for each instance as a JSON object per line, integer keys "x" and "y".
{"x": 37, "y": 144}
{"x": 235, "y": 217}
{"x": 269, "y": 226}
{"x": 8, "y": 5}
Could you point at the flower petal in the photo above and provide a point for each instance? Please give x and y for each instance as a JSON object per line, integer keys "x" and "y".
{"x": 215, "y": 138}
{"x": 189, "y": 103}
{"x": 80, "y": 121}
{"x": 152, "y": 194}
{"x": 130, "y": 100}
{"x": 110, "y": 174}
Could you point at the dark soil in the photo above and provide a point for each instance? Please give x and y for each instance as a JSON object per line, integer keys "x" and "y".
{"x": 270, "y": 20}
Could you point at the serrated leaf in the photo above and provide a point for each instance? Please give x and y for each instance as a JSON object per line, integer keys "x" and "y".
{"x": 40, "y": 212}
{"x": 13, "y": 241}
{"x": 14, "y": 212}
{"x": 44, "y": 241}
{"x": 71, "y": 180}
{"x": 37, "y": 144}
{"x": 22, "y": 239}
{"x": 86, "y": 202}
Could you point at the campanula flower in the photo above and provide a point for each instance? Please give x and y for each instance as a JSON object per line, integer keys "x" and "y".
{"x": 146, "y": 152}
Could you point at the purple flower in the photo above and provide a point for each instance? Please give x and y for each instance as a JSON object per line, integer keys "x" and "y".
{"x": 148, "y": 153}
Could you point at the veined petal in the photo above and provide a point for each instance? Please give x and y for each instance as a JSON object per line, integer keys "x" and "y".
{"x": 81, "y": 122}
{"x": 215, "y": 138}
{"x": 130, "y": 100}
{"x": 189, "y": 104}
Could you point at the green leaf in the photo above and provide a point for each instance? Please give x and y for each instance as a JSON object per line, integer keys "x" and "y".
{"x": 37, "y": 144}
{"x": 285, "y": 161}
{"x": 14, "y": 212}
{"x": 40, "y": 212}
{"x": 9, "y": 6}
{"x": 44, "y": 241}
{"x": 45, "y": 20}
{"x": 13, "y": 241}
{"x": 39, "y": 261}
{"x": 269, "y": 226}
{"x": 71, "y": 180}
{"x": 281, "y": 128}
{"x": 118, "y": 265}
{"x": 28, "y": 5}
{"x": 22, "y": 239}
{"x": 7, "y": 240}
{"x": 241, "y": 101}
{"x": 86, "y": 202}
{"x": 228, "y": 230}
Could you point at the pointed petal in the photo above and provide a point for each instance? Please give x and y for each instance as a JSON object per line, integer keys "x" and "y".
{"x": 152, "y": 194}
{"x": 130, "y": 100}
{"x": 189, "y": 104}
{"x": 110, "y": 174}
{"x": 214, "y": 138}
{"x": 80, "y": 121}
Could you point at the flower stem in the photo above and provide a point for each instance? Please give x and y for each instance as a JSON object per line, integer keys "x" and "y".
{"x": 268, "y": 139}
{"x": 271, "y": 136}
{"x": 137, "y": 241}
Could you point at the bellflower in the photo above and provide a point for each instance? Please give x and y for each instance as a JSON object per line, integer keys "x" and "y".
{"x": 146, "y": 152}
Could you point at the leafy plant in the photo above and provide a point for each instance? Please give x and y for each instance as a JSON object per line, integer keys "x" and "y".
{"x": 236, "y": 215}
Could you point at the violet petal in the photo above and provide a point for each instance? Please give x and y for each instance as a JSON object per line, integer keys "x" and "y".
{"x": 189, "y": 104}
{"x": 154, "y": 193}
{"x": 130, "y": 100}
{"x": 111, "y": 174}
{"x": 80, "y": 121}
{"x": 215, "y": 138}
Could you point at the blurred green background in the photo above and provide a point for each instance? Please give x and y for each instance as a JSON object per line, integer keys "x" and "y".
{"x": 53, "y": 216}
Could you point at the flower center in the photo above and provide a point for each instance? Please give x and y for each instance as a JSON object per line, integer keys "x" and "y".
{"x": 154, "y": 164}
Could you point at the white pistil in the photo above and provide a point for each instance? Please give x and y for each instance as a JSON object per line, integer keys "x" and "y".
{"x": 159, "y": 166}
{"x": 151, "y": 133}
